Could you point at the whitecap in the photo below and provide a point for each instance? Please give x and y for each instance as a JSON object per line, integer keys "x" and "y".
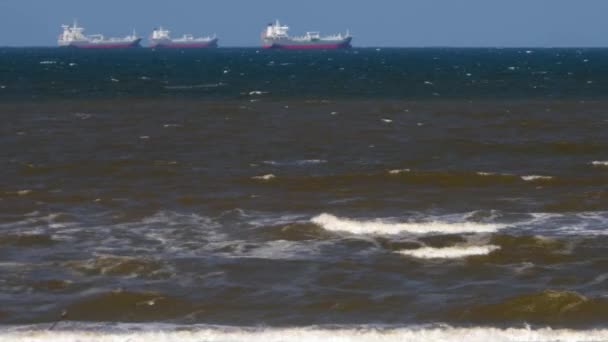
{"x": 398, "y": 171}
{"x": 301, "y": 162}
{"x": 384, "y": 227}
{"x": 267, "y": 177}
{"x": 449, "y": 252}
{"x": 531, "y": 178}
{"x": 599, "y": 163}
{"x": 257, "y": 92}
{"x": 83, "y": 116}
{"x": 387, "y": 120}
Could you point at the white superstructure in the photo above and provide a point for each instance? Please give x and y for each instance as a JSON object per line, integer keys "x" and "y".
{"x": 74, "y": 36}
{"x": 161, "y": 37}
{"x": 276, "y": 31}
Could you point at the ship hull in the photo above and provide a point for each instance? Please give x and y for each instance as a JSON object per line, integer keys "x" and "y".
{"x": 170, "y": 44}
{"x": 301, "y": 45}
{"x": 105, "y": 45}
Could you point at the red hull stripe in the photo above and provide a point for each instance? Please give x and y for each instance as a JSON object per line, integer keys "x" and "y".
{"x": 178, "y": 46}
{"x": 209, "y": 44}
{"x": 133, "y": 44}
{"x": 105, "y": 46}
{"x": 315, "y": 46}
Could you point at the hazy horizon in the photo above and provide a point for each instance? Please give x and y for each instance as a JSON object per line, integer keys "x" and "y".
{"x": 385, "y": 23}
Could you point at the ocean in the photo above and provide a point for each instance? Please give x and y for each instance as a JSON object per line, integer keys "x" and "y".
{"x": 434, "y": 194}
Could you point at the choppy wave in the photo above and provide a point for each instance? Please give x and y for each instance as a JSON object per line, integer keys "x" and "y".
{"x": 432, "y": 178}
{"x": 599, "y": 163}
{"x": 128, "y": 306}
{"x": 158, "y": 333}
{"x": 586, "y": 223}
{"x": 383, "y": 227}
{"x": 26, "y": 240}
{"x": 266, "y": 177}
{"x": 117, "y": 265}
{"x": 532, "y": 178}
{"x": 194, "y": 86}
{"x": 302, "y": 162}
{"x": 398, "y": 171}
{"x": 546, "y": 307}
{"x": 449, "y": 252}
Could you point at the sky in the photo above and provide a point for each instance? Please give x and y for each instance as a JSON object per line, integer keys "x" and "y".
{"x": 378, "y": 23}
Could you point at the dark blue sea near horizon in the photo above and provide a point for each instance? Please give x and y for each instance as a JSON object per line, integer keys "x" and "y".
{"x": 393, "y": 194}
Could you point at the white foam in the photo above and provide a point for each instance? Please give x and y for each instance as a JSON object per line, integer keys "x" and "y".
{"x": 257, "y": 92}
{"x": 381, "y": 227}
{"x": 267, "y": 177}
{"x": 302, "y": 162}
{"x": 271, "y": 250}
{"x": 486, "y": 174}
{"x": 532, "y": 178}
{"x": 24, "y": 192}
{"x": 310, "y": 161}
{"x": 591, "y": 223}
{"x": 599, "y": 163}
{"x": 398, "y": 171}
{"x": 158, "y": 333}
{"x": 449, "y": 252}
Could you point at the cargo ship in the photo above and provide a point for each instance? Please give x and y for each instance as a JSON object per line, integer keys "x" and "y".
{"x": 276, "y": 37}
{"x": 73, "y": 36}
{"x": 160, "y": 38}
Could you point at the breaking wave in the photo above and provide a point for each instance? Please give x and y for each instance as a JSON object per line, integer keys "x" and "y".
{"x": 267, "y": 177}
{"x": 532, "y": 178}
{"x": 449, "y": 252}
{"x": 382, "y": 227}
{"x": 154, "y": 333}
{"x": 599, "y": 163}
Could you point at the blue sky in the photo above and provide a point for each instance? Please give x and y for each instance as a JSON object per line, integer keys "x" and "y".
{"x": 504, "y": 23}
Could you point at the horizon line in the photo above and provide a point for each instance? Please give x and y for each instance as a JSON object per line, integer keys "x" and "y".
{"x": 353, "y": 47}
